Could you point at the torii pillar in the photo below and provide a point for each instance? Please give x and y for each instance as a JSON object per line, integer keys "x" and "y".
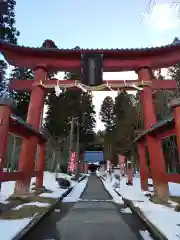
{"x": 29, "y": 146}
{"x": 143, "y": 166}
{"x": 157, "y": 163}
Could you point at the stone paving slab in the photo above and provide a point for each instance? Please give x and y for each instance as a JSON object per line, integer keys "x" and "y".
{"x": 93, "y": 230}
{"x": 93, "y": 206}
{"x": 94, "y": 220}
{"x": 95, "y": 190}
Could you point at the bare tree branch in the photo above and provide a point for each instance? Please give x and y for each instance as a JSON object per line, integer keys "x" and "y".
{"x": 151, "y": 3}
{"x": 149, "y": 8}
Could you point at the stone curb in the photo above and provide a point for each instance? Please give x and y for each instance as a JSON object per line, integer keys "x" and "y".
{"x": 102, "y": 178}
{"x": 41, "y": 216}
{"x": 155, "y": 232}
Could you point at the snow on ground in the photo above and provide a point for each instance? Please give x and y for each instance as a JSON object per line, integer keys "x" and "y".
{"x": 145, "y": 235}
{"x": 51, "y": 184}
{"x": 76, "y": 192}
{"x": 174, "y": 188}
{"x": 57, "y": 210}
{"x": 114, "y": 195}
{"x": 7, "y": 189}
{"x": 158, "y": 215}
{"x": 38, "y": 204}
{"x": 126, "y": 210}
{"x": 12, "y": 227}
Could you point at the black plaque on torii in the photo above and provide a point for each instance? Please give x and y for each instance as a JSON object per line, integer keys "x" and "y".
{"x": 92, "y": 69}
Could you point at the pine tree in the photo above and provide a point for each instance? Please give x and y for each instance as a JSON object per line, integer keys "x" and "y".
{"x": 107, "y": 116}
{"x": 70, "y": 104}
{"x": 119, "y": 124}
{"x": 107, "y": 112}
{"x": 124, "y": 123}
{"x": 9, "y": 33}
{"x": 21, "y": 98}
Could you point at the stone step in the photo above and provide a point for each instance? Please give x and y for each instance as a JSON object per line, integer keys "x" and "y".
{"x": 94, "y": 200}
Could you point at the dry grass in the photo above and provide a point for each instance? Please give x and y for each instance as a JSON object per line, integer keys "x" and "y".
{"x": 24, "y": 212}
{"x": 175, "y": 199}
{"x": 157, "y": 200}
{"x": 27, "y": 210}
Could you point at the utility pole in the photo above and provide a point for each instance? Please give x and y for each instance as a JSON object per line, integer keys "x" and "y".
{"x": 71, "y": 138}
{"x": 77, "y": 150}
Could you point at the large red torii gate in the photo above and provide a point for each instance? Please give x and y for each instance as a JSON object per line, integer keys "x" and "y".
{"x": 42, "y": 60}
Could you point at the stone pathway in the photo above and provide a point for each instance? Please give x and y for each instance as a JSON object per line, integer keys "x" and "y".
{"x": 91, "y": 219}
{"x": 94, "y": 216}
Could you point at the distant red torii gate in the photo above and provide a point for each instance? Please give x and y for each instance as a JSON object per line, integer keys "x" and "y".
{"x": 42, "y": 60}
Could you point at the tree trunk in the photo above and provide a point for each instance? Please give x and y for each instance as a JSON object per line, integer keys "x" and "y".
{"x": 53, "y": 161}
{"x": 13, "y": 156}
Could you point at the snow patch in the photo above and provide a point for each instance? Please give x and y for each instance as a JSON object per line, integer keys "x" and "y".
{"x": 145, "y": 235}
{"x": 76, "y": 192}
{"x": 10, "y": 228}
{"x": 38, "y": 204}
{"x": 126, "y": 210}
{"x": 114, "y": 195}
{"x": 57, "y": 210}
{"x": 50, "y": 183}
{"x": 7, "y": 189}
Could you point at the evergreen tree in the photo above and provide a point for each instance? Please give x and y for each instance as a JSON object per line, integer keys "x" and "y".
{"x": 9, "y": 33}
{"x": 70, "y": 104}
{"x": 21, "y": 98}
{"x": 107, "y": 116}
{"x": 107, "y": 112}
{"x": 124, "y": 123}
{"x": 120, "y": 124}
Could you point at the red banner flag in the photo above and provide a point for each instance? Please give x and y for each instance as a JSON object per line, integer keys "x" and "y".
{"x": 72, "y": 162}
{"x": 86, "y": 167}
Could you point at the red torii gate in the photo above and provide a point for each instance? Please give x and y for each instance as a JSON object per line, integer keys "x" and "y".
{"x": 42, "y": 60}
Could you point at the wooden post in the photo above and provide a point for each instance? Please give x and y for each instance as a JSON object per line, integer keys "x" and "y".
{"x": 81, "y": 167}
{"x": 53, "y": 161}
{"x": 40, "y": 165}
{"x": 28, "y": 148}
{"x": 13, "y": 153}
{"x": 143, "y": 166}
{"x": 129, "y": 173}
{"x": 157, "y": 163}
{"x": 5, "y": 112}
{"x": 86, "y": 167}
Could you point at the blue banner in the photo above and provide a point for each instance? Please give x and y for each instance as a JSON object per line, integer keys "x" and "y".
{"x": 93, "y": 156}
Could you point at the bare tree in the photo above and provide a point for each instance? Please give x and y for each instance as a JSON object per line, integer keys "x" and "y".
{"x": 151, "y": 3}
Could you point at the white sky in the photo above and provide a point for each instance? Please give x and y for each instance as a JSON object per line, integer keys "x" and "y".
{"x": 99, "y": 96}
